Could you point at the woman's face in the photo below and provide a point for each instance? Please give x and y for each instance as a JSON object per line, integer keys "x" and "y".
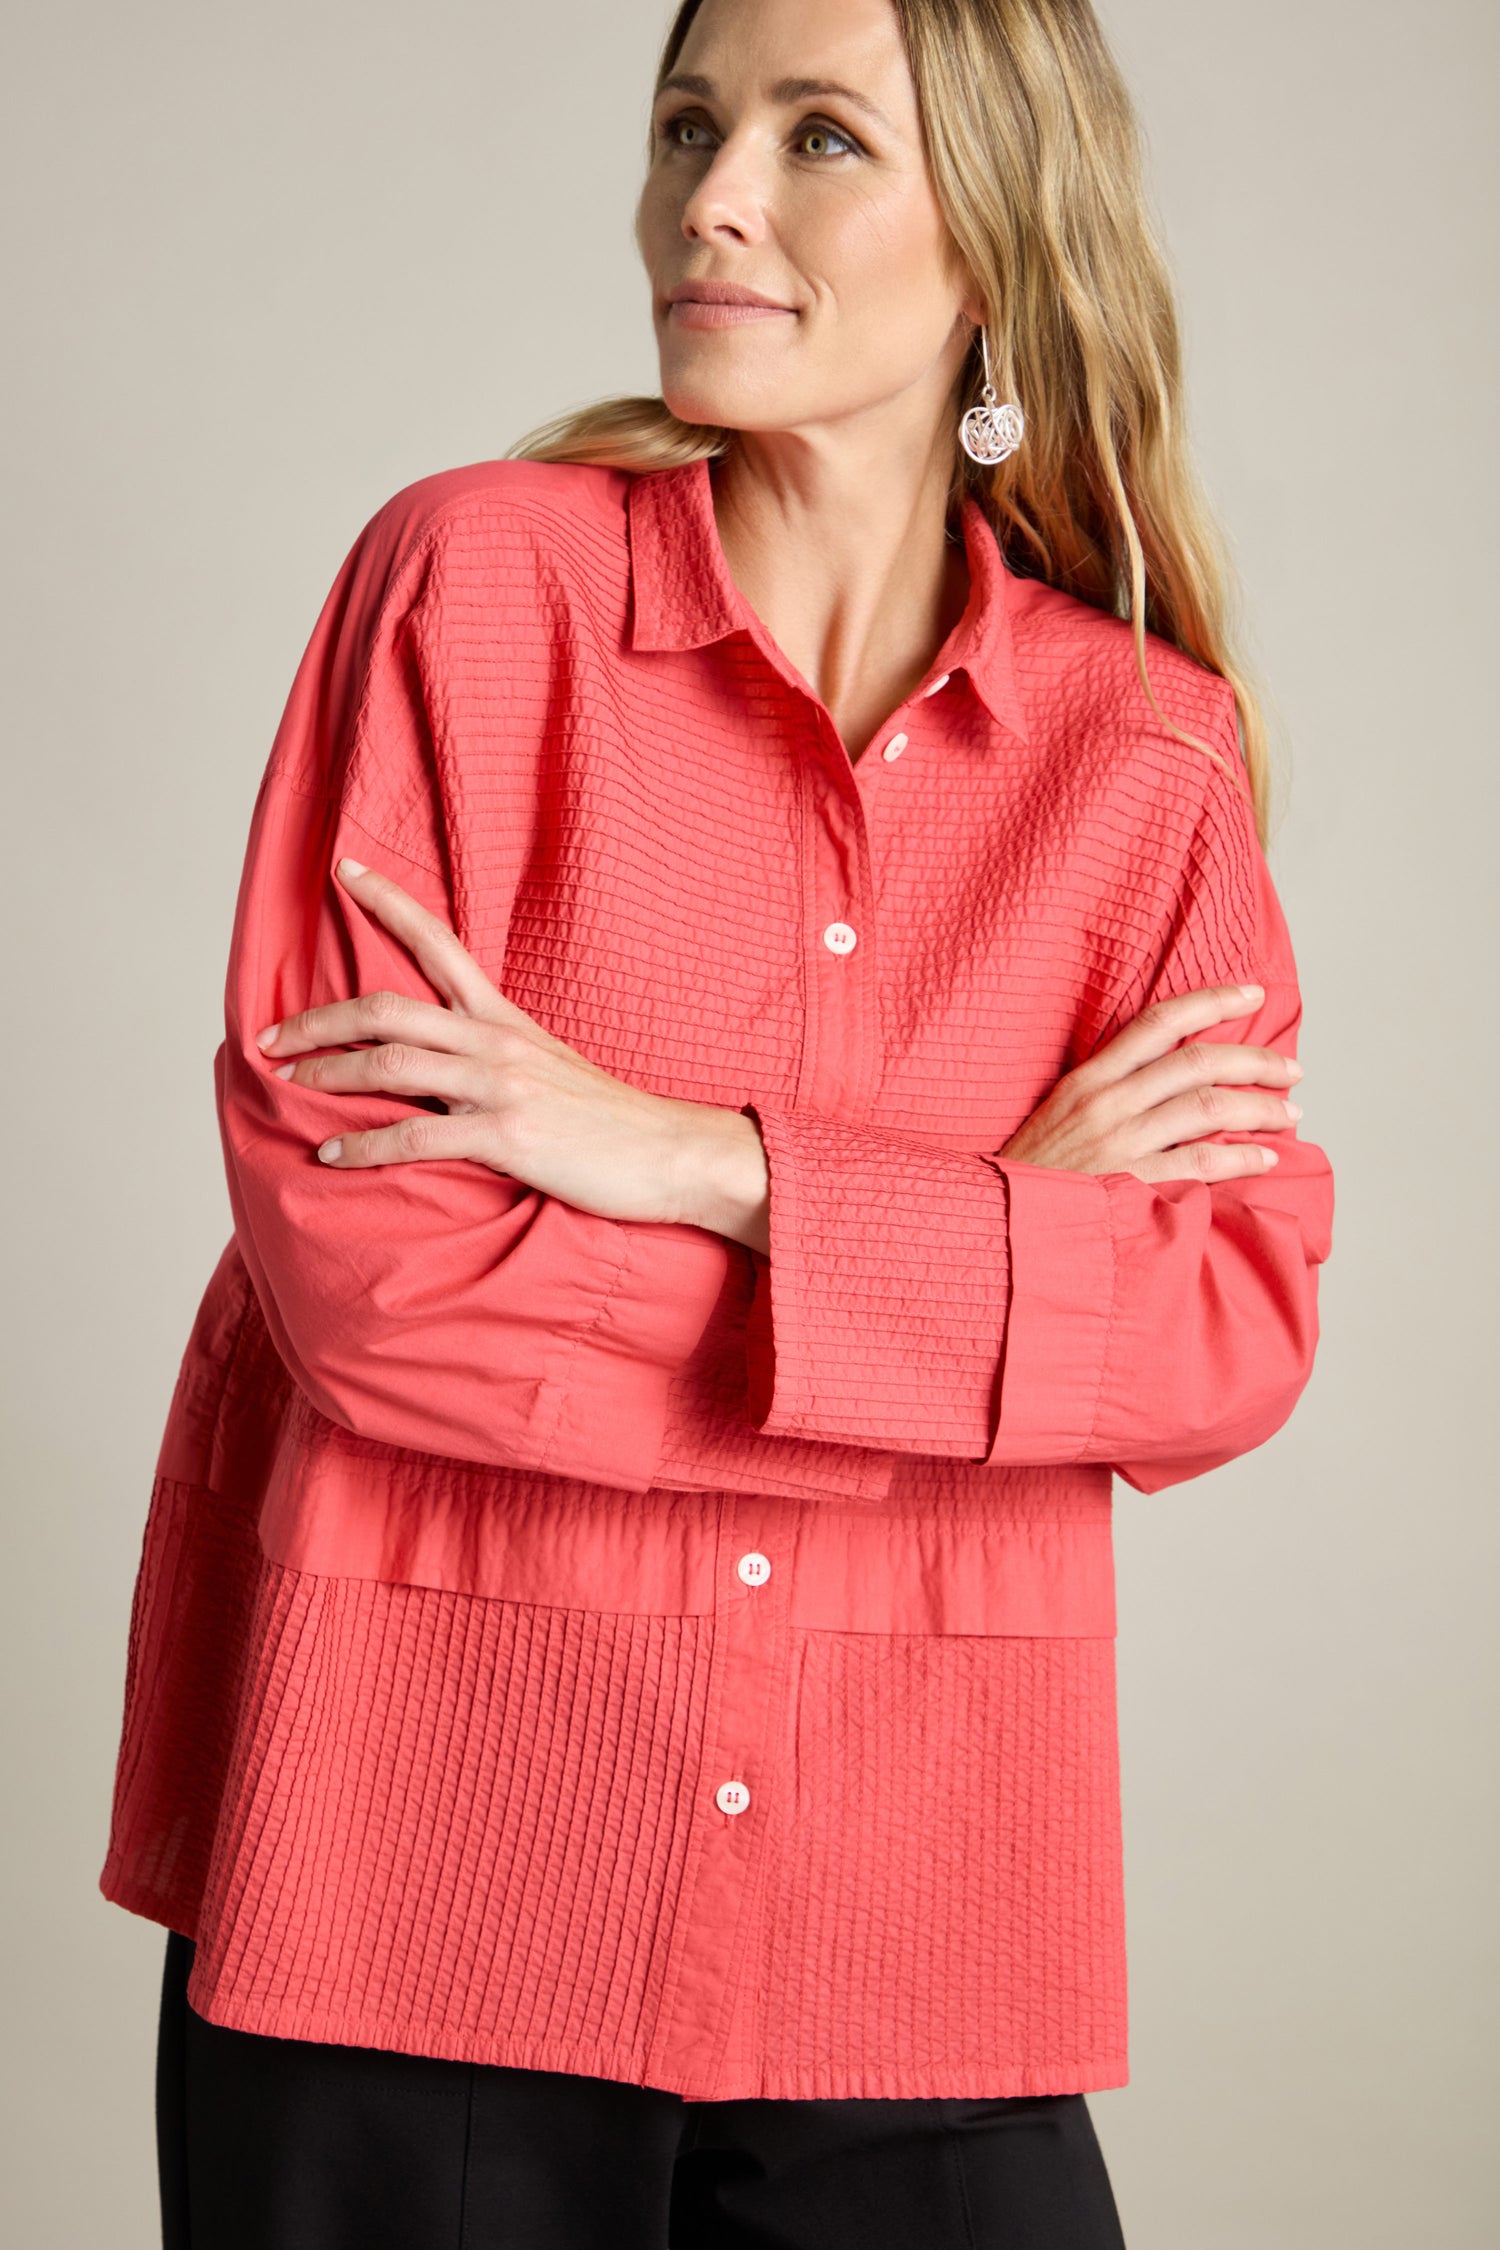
{"x": 788, "y": 167}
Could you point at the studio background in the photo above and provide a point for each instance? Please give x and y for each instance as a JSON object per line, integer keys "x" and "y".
{"x": 268, "y": 265}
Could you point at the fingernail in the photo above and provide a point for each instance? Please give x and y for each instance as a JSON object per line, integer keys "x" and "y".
{"x": 286, "y": 1070}
{"x": 1294, "y": 1109}
{"x": 1294, "y": 1066}
{"x": 329, "y": 1152}
{"x": 352, "y": 867}
{"x": 1252, "y": 992}
{"x": 1269, "y": 1154}
{"x": 267, "y": 1038}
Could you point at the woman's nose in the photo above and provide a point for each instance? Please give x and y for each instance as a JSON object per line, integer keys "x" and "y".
{"x": 728, "y": 204}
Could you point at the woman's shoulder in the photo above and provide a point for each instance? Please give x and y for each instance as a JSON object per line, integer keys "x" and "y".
{"x": 1173, "y": 830}
{"x": 505, "y": 503}
{"x": 1079, "y": 680}
{"x": 1078, "y": 665}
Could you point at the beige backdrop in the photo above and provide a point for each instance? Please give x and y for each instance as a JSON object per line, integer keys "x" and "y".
{"x": 271, "y": 263}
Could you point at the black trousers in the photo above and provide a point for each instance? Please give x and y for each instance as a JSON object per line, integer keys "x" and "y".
{"x": 292, "y": 2144}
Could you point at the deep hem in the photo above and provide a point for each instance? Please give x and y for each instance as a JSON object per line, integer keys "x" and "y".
{"x": 326, "y": 2026}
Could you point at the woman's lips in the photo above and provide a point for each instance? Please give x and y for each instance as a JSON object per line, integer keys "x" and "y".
{"x": 697, "y": 312}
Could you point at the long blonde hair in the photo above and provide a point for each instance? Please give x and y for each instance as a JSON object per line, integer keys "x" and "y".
{"x": 1035, "y": 160}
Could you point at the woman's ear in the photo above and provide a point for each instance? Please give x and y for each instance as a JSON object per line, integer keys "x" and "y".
{"x": 971, "y": 304}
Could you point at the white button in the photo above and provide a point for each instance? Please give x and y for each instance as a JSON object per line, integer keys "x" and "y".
{"x": 894, "y": 747}
{"x": 731, "y": 1796}
{"x": 940, "y": 683}
{"x": 839, "y": 938}
{"x": 754, "y": 1569}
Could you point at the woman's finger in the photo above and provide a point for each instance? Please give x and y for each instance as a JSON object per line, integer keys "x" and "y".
{"x": 371, "y": 1015}
{"x": 1202, "y": 1063}
{"x": 443, "y": 958}
{"x": 1157, "y": 1029}
{"x": 1209, "y": 1109}
{"x": 1209, "y": 1161}
{"x": 422, "y": 1138}
{"x": 391, "y": 1069}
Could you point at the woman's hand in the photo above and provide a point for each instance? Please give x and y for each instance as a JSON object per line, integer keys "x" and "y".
{"x": 518, "y": 1100}
{"x": 1143, "y": 1102}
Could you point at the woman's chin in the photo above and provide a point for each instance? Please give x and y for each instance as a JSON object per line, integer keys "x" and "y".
{"x": 719, "y": 404}
{"x": 725, "y": 397}
{"x": 727, "y": 406}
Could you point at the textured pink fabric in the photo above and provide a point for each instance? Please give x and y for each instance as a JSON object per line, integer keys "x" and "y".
{"x": 440, "y": 1647}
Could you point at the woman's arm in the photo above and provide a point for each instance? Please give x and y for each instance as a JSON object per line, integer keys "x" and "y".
{"x": 432, "y": 1305}
{"x": 517, "y": 1099}
{"x": 1018, "y": 1307}
{"x": 1207, "y": 1285}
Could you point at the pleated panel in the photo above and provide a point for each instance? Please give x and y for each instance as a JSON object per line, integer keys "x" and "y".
{"x": 451, "y": 1824}
{"x": 943, "y": 1902}
{"x": 454, "y": 1825}
{"x": 194, "y": 1589}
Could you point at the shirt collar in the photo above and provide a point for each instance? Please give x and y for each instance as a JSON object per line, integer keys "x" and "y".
{"x": 683, "y": 596}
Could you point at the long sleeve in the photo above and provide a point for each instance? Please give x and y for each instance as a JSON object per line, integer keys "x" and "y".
{"x": 959, "y": 1304}
{"x": 434, "y": 1305}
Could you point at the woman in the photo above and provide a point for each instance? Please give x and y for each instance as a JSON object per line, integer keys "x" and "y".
{"x": 755, "y": 1080}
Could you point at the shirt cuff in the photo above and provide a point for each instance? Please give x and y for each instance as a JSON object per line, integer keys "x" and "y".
{"x": 880, "y": 1316}
{"x": 1062, "y": 1298}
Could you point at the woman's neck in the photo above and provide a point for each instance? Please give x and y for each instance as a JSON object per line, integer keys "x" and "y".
{"x": 842, "y": 550}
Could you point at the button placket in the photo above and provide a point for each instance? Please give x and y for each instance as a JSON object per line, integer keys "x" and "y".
{"x": 720, "y": 1882}
{"x": 839, "y": 1059}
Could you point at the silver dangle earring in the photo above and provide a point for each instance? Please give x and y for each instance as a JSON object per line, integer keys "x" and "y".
{"x": 989, "y": 433}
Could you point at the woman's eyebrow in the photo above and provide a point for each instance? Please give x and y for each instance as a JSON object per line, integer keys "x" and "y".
{"x": 785, "y": 90}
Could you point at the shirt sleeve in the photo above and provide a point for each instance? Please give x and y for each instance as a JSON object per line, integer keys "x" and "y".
{"x": 934, "y": 1301}
{"x": 436, "y": 1305}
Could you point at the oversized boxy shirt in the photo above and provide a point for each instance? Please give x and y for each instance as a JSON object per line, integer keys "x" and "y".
{"x": 594, "y": 1645}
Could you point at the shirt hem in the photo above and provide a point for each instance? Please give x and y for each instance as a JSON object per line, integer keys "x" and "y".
{"x": 581, "y": 2058}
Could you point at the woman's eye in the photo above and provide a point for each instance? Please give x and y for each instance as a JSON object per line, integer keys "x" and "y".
{"x": 686, "y": 132}
{"x": 826, "y": 140}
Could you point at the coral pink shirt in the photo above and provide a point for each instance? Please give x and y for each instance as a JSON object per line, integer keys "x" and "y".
{"x": 594, "y": 1645}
